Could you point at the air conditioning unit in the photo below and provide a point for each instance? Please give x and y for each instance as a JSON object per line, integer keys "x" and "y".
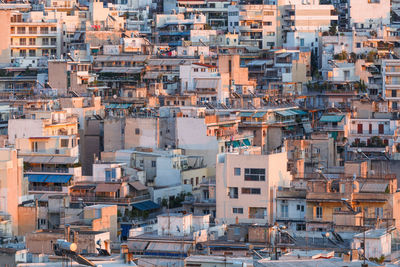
{"x": 57, "y": 151}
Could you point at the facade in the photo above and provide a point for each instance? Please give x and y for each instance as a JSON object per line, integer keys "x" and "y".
{"x": 246, "y": 186}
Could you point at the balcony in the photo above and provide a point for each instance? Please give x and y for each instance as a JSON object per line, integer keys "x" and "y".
{"x": 48, "y": 189}
{"x": 107, "y": 200}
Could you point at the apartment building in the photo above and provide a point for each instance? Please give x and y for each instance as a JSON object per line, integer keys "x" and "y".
{"x": 215, "y": 11}
{"x": 34, "y": 39}
{"x": 42, "y": 123}
{"x": 12, "y": 186}
{"x": 246, "y": 186}
{"x": 256, "y": 25}
{"x": 391, "y": 82}
{"x": 368, "y": 14}
{"x": 303, "y": 20}
{"x": 353, "y": 200}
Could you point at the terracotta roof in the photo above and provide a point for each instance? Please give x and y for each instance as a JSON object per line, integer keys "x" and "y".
{"x": 205, "y": 65}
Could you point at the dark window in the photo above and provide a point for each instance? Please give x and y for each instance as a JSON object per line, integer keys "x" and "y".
{"x": 233, "y": 192}
{"x": 360, "y": 128}
{"x": 381, "y": 128}
{"x": 237, "y": 210}
{"x": 153, "y": 163}
{"x": 251, "y": 191}
{"x": 254, "y": 174}
{"x": 137, "y": 131}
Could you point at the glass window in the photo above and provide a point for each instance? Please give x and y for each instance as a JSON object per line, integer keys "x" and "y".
{"x": 237, "y": 210}
{"x": 251, "y": 191}
{"x": 236, "y": 171}
{"x": 254, "y": 174}
{"x": 233, "y": 192}
{"x": 318, "y": 212}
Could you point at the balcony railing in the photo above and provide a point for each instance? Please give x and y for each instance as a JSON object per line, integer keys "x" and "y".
{"x": 120, "y": 200}
{"x": 46, "y": 188}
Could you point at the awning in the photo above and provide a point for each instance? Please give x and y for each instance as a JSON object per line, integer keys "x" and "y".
{"x": 138, "y": 185}
{"x": 104, "y": 188}
{"x": 37, "y": 159}
{"x": 246, "y": 114}
{"x": 58, "y": 178}
{"x": 286, "y": 113}
{"x": 373, "y": 188}
{"x": 283, "y": 55}
{"x": 236, "y": 144}
{"x": 206, "y": 83}
{"x": 63, "y": 160}
{"x": 83, "y": 187}
{"x": 259, "y": 62}
{"x": 246, "y": 142}
{"x": 259, "y": 114}
{"x": 124, "y": 70}
{"x": 36, "y": 178}
{"x": 146, "y": 205}
{"x": 299, "y": 112}
{"x": 331, "y": 118}
{"x": 120, "y": 106}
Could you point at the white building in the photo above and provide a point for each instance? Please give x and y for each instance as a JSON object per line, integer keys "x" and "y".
{"x": 391, "y": 82}
{"x": 256, "y": 25}
{"x": 368, "y": 14}
{"x": 378, "y": 242}
{"x": 246, "y": 186}
{"x": 178, "y": 224}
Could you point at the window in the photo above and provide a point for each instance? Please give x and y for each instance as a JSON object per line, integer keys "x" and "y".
{"x": 300, "y": 227}
{"x": 268, "y": 13}
{"x": 284, "y": 210}
{"x": 34, "y": 147}
{"x": 195, "y": 69}
{"x": 378, "y": 212}
{"x": 22, "y": 53}
{"x": 32, "y": 53}
{"x": 32, "y": 41}
{"x": 32, "y": 30}
{"x": 251, "y": 191}
{"x": 358, "y": 45}
{"x": 45, "y": 52}
{"x": 137, "y": 131}
{"x": 45, "y": 41}
{"x": 111, "y": 173}
{"x": 64, "y": 142}
{"x": 254, "y": 174}
{"x": 237, "y": 210}
{"x": 381, "y": 128}
{"x": 22, "y": 41}
{"x": 53, "y": 41}
{"x": 44, "y": 30}
{"x": 153, "y": 163}
{"x": 318, "y": 212}
{"x": 257, "y": 213}
{"x": 54, "y": 29}
{"x": 300, "y": 208}
{"x": 236, "y": 171}
{"x": 197, "y": 180}
{"x": 359, "y": 128}
{"x": 21, "y": 30}
{"x": 233, "y": 192}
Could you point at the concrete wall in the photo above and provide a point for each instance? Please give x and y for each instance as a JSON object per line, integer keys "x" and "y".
{"x": 58, "y": 79}
{"x": 148, "y": 132}
{"x": 24, "y": 128}
{"x": 12, "y": 184}
{"x": 5, "y": 51}
{"x": 113, "y": 134}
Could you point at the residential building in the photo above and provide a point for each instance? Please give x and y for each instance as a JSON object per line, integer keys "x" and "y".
{"x": 256, "y": 25}
{"x": 246, "y": 186}
{"x": 12, "y": 185}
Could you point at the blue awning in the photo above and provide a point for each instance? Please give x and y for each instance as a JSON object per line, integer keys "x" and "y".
{"x": 299, "y": 111}
{"x": 146, "y": 205}
{"x": 259, "y": 114}
{"x": 286, "y": 113}
{"x": 36, "y": 178}
{"x": 331, "y": 118}
{"x": 61, "y": 179}
{"x": 246, "y": 114}
{"x": 246, "y": 142}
